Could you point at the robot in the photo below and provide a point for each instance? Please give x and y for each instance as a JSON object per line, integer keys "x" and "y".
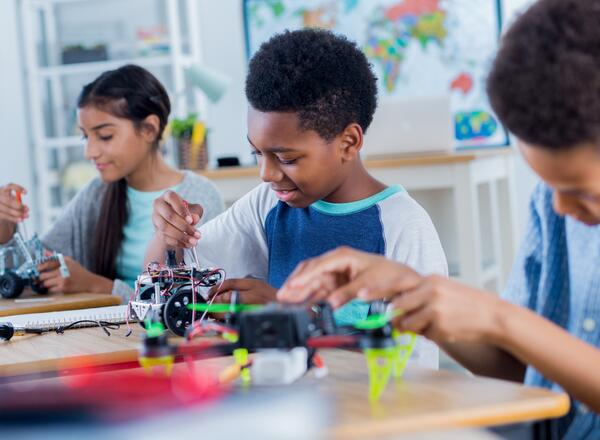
{"x": 284, "y": 339}
{"x": 19, "y": 261}
{"x": 165, "y": 291}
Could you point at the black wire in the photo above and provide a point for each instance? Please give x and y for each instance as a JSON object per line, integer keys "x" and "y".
{"x": 104, "y": 325}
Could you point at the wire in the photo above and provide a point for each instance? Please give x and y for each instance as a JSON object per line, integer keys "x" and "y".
{"x": 104, "y": 325}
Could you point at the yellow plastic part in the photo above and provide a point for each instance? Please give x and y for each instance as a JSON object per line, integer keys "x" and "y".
{"x": 241, "y": 358}
{"x": 149, "y": 363}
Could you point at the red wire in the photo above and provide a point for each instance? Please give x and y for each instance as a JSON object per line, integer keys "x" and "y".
{"x": 332, "y": 341}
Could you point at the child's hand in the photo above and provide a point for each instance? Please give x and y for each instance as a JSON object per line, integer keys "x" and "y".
{"x": 174, "y": 220}
{"x": 11, "y": 209}
{"x": 79, "y": 280}
{"x": 446, "y": 311}
{"x": 251, "y": 290}
{"x": 344, "y": 274}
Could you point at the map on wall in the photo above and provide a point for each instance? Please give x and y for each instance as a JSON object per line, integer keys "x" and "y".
{"x": 418, "y": 48}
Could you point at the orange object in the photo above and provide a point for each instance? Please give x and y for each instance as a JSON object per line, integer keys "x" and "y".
{"x": 18, "y": 196}
{"x": 318, "y": 361}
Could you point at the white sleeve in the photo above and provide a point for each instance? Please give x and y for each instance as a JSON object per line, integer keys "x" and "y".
{"x": 412, "y": 239}
{"x": 235, "y": 240}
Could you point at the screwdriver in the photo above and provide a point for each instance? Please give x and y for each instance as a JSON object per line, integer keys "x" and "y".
{"x": 194, "y": 252}
{"x": 19, "y": 197}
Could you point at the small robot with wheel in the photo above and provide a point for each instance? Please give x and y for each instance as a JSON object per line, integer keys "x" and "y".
{"x": 166, "y": 291}
{"x": 19, "y": 261}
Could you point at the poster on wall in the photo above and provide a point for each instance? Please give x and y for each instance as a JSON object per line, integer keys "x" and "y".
{"x": 418, "y": 49}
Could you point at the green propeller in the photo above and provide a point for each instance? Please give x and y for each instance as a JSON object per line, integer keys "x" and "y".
{"x": 154, "y": 329}
{"x": 375, "y": 321}
{"x": 224, "y": 308}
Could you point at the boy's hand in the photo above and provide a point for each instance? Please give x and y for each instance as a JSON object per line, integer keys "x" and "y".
{"x": 437, "y": 307}
{"x": 344, "y": 274}
{"x": 174, "y": 220}
{"x": 11, "y": 209}
{"x": 252, "y": 291}
{"x": 79, "y": 280}
{"x": 446, "y": 311}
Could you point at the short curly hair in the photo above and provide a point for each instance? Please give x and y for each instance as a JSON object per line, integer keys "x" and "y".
{"x": 323, "y": 77}
{"x": 545, "y": 82}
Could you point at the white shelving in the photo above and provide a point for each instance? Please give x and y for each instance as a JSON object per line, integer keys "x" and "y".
{"x": 49, "y": 26}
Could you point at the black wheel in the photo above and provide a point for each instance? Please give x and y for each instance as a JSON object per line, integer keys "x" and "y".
{"x": 176, "y": 315}
{"x": 11, "y": 284}
{"x": 39, "y": 289}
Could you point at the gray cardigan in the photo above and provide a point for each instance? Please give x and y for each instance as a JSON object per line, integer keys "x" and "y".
{"x": 72, "y": 233}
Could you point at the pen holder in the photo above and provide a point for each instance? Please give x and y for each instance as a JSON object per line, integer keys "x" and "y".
{"x": 192, "y": 156}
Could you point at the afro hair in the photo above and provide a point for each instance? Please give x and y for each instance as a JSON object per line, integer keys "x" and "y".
{"x": 545, "y": 82}
{"x": 321, "y": 76}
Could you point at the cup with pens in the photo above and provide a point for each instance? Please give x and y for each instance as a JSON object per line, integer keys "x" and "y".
{"x": 191, "y": 142}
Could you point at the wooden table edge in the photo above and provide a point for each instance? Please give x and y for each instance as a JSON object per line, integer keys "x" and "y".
{"x": 552, "y": 406}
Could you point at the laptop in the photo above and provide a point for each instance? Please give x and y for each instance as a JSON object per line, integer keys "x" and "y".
{"x": 410, "y": 126}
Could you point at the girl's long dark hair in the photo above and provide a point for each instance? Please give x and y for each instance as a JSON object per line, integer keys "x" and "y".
{"x": 129, "y": 92}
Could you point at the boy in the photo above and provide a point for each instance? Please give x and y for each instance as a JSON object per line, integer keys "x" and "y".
{"x": 545, "y": 87}
{"x": 312, "y": 95}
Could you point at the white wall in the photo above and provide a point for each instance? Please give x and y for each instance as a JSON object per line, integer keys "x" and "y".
{"x": 223, "y": 44}
{"x": 15, "y": 156}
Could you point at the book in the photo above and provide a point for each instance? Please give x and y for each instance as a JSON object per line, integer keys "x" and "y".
{"x": 32, "y": 303}
{"x": 53, "y": 320}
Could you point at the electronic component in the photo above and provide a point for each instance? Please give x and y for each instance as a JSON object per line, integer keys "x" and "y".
{"x": 283, "y": 339}
{"x": 166, "y": 291}
{"x": 19, "y": 262}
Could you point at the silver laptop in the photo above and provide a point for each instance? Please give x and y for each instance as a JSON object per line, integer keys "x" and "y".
{"x": 404, "y": 126}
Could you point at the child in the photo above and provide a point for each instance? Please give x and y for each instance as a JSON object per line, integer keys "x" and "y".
{"x": 104, "y": 230}
{"x": 312, "y": 95}
{"x": 545, "y": 87}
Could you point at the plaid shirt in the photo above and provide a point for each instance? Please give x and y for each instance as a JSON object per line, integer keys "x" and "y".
{"x": 557, "y": 275}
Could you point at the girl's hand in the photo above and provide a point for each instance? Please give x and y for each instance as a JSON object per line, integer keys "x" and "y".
{"x": 174, "y": 220}
{"x": 11, "y": 209}
{"x": 79, "y": 280}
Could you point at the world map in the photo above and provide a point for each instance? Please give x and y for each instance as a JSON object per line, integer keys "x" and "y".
{"x": 418, "y": 48}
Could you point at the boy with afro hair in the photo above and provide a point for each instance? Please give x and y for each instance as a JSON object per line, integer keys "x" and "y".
{"x": 311, "y": 97}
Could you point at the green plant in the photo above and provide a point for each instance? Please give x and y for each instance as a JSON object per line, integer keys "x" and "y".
{"x": 182, "y": 128}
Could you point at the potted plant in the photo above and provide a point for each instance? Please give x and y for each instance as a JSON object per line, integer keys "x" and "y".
{"x": 190, "y": 141}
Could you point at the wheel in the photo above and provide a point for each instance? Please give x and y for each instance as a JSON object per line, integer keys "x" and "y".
{"x": 39, "y": 289}
{"x": 11, "y": 284}
{"x": 176, "y": 315}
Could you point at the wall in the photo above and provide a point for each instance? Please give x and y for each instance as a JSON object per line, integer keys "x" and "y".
{"x": 223, "y": 43}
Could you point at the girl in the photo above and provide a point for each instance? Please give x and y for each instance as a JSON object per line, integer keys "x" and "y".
{"x": 104, "y": 230}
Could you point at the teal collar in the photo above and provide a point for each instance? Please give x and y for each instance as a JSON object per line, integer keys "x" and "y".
{"x": 359, "y": 205}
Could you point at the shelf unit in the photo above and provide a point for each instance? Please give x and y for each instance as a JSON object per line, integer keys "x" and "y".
{"x": 53, "y": 86}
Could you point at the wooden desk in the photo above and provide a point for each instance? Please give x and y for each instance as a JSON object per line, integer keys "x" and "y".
{"x": 30, "y": 302}
{"x": 422, "y": 400}
{"x": 470, "y": 196}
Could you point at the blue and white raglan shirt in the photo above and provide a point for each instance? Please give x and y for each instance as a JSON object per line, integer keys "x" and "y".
{"x": 263, "y": 237}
